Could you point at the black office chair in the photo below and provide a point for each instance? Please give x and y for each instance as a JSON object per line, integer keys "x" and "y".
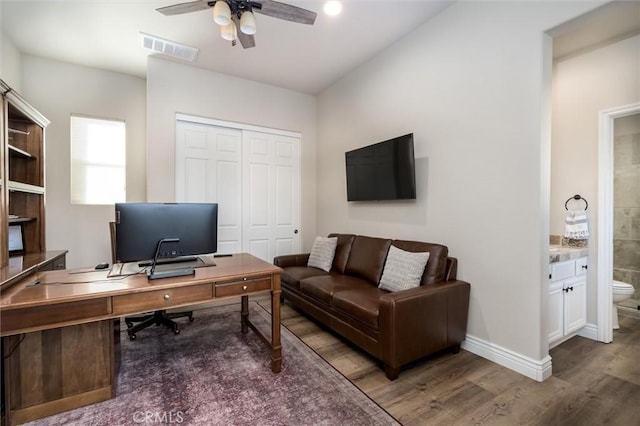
{"x": 156, "y": 318}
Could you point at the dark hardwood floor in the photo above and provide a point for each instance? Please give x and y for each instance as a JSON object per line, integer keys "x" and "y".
{"x": 592, "y": 384}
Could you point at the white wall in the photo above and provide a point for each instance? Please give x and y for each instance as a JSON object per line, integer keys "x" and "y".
{"x": 578, "y": 97}
{"x": 176, "y": 88}
{"x": 10, "y": 63}
{"x": 58, "y": 90}
{"x": 469, "y": 85}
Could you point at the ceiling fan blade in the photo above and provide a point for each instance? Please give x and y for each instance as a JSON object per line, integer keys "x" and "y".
{"x": 246, "y": 40}
{"x": 286, "y": 11}
{"x": 180, "y": 8}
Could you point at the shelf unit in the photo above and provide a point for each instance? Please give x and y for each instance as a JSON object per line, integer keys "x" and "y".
{"x": 22, "y": 174}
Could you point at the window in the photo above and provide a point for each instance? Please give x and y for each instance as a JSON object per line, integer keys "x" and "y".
{"x": 98, "y": 160}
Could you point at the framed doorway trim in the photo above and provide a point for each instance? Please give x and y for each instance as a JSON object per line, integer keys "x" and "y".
{"x": 605, "y": 216}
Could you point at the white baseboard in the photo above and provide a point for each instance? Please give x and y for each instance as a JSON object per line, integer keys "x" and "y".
{"x": 534, "y": 369}
{"x": 538, "y": 370}
{"x": 590, "y": 331}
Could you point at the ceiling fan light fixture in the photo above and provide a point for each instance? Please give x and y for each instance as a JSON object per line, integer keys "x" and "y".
{"x": 229, "y": 32}
{"x": 248, "y": 23}
{"x": 222, "y": 13}
{"x": 235, "y": 17}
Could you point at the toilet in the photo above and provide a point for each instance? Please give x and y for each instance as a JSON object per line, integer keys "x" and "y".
{"x": 621, "y": 291}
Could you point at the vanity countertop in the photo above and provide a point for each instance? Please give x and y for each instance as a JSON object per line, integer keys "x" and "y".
{"x": 563, "y": 253}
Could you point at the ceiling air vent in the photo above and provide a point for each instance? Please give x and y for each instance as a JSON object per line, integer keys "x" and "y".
{"x": 168, "y": 47}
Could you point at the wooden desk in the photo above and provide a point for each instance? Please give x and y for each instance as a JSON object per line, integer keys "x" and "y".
{"x": 60, "y": 339}
{"x": 24, "y": 265}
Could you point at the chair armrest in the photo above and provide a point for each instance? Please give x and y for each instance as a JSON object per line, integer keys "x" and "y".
{"x": 288, "y": 260}
{"x": 419, "y": 321}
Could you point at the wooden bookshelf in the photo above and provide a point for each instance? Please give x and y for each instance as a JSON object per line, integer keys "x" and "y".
{"x": 22, "y": 172}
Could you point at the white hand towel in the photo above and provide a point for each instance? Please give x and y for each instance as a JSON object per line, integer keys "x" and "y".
{"x": 575, "y": 225}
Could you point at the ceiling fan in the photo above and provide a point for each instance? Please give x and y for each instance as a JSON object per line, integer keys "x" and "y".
{"x": 232, "y": 15}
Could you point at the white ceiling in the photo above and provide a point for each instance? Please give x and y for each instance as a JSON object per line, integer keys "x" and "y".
{"x": 105, "y": 34}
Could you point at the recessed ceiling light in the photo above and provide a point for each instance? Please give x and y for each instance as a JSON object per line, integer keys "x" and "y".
{"x": 332, "y": 7}
{"x": 168, "y": 47}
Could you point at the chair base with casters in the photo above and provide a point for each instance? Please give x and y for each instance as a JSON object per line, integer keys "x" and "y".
{"x": 157, "y": 318}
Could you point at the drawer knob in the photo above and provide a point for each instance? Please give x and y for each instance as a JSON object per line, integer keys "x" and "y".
{"x": 244, "y": 279}
{"x": 244, "y": 288}
{"x": 166, "y": 297}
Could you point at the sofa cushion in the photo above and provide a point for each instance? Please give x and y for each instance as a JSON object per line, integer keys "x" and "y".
{"x": 292, "y": 275}
{"x": 363, "y": 304}
{"x": 403, "y": 269}
{"x": 322, "y": 253}
{"x": 324, "y": 287}
{"x": 343, "y": 249}
{"x": 436, "y": 266}
{"x": 366, "y": 259}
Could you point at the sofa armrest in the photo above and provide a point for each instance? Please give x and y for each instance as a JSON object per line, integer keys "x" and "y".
{"x": 288, "y": 260}
{"x": 419, "y": 321}
{"x": 452, "y": 269}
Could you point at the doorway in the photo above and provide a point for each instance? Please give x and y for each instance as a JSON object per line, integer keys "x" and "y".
{"x": 606, "y": 215}
{"x": 626, "y": 208}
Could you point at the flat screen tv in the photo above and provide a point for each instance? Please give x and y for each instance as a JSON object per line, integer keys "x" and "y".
{"x": 382, "y": 171}
{"x": 161, "y": 231}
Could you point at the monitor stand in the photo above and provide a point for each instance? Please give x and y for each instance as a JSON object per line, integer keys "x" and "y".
{"x": 169, "y": 261}
{"x": 152, "y": 275}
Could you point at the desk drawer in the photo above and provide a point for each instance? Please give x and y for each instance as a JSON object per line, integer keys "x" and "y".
{"x": 161, "y": 299}
{"x": 246, "y": 286}
{"x": 52, "y": 315}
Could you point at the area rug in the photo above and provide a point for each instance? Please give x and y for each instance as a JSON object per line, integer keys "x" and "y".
{"x": 212, "y": 374}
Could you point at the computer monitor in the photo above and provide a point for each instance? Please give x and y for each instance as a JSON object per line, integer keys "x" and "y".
{"x": 160, "y": 231}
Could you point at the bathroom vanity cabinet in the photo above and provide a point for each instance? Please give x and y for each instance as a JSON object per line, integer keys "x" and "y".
{"x": 567, "y": 299}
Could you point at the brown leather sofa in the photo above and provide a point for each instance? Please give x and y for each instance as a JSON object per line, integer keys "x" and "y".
{"x": 395, "y": 327}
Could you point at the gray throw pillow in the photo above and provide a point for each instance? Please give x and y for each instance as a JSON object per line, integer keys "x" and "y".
{"x": 402, "y": 269}
{"x": 322, "y": 253}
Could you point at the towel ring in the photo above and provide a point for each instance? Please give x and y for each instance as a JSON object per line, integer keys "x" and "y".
{"x": 576, "y": 197}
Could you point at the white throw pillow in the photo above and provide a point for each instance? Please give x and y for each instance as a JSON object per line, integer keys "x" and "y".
{"x": 403, "y": 269}
{"x": 322, "y": 253}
